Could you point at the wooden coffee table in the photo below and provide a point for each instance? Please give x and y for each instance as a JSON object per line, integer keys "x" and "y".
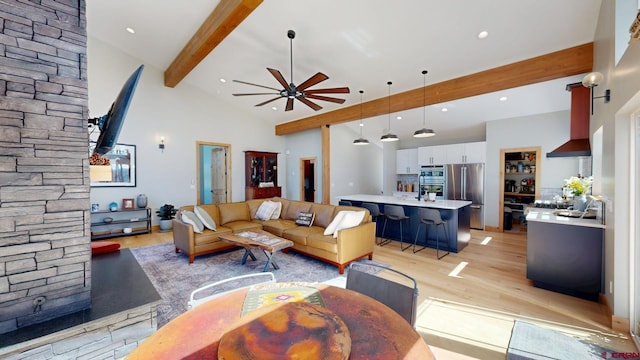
{"x": 258, "y": 239}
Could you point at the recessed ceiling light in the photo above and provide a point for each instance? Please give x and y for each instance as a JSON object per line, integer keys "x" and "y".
{"x": 361, "y": 124}
{"x": 399, "y": 118}
{"x": 223, "y": 80}
{"x": 274, "y": 108}
{"x": 130, "y": 30}
{"x": 444, "y": 109}
{"x": 503, "y": 98}
{"x": 482, "y": 34}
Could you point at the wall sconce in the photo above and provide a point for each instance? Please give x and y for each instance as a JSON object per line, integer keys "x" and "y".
{"x": 161, "y": 145}
{"x": 592, "y": 80}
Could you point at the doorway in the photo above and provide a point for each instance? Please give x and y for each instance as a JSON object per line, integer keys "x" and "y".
{"x": 308, "y": 179}
{"x": 214, "y": 172}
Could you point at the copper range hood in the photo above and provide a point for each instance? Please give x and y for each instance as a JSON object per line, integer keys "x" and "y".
{"x": 578, "y": 144}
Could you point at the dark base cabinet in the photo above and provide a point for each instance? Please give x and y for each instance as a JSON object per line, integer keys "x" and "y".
{"x": 262, "y": 193}
{"x": 566, "y": 258}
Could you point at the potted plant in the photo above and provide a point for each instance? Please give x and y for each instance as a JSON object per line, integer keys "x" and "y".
{"x": 166, "y": 213}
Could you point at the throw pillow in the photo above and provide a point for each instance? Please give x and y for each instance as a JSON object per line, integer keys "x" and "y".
{"x": 265, "y": 210}
{"x": 205, "y": 218}
{"x": 305, "y": 219}
{"x": 331, "y": 228}
{"x": 349, "y": 220}
{"x": 277, "y": 211}
{"x": 189, "y": 217}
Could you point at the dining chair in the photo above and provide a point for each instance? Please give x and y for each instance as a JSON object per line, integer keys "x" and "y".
{"x": 431, "y": 217}
{"x": 396, "y": 290}
{"x": 394, "y": 213}
{"x": 222, "y": 287}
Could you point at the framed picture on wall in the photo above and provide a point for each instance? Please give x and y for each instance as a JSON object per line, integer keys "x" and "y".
{"x": 116, "y": 168}
{"x": 127, "y": 204}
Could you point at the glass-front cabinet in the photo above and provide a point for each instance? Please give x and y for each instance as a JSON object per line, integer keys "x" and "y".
{"x": 261, "y": 175}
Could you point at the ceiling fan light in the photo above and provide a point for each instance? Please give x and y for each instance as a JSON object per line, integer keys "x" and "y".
{"x": 424, "y": 133}
{"x": 389, "y": 137}
{"x": 361, "y": 141}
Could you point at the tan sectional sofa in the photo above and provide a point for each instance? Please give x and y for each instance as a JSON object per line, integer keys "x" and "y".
{"x": 351, "y": 244}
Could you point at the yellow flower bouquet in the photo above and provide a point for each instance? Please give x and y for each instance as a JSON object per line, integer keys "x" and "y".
{"x": 578, "y": 185}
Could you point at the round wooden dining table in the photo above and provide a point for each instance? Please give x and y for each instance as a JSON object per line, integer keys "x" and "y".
{"x": 376, "y": 331}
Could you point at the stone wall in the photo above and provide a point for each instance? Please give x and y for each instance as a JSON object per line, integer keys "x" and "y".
{"x": 45, "y": 257}
{"x": 111, "y": 337}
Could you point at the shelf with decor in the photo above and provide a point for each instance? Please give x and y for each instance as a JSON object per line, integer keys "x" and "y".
{"x": 261, "y": 175}
{"x": 109, "y": 224}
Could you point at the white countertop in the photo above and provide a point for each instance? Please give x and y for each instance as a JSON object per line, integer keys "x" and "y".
{"x": 407, "y": 201}
{"x": 546, "y": 215}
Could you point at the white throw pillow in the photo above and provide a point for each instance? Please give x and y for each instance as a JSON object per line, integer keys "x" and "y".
{"x": 190, "y": 218}
{"x": 205, "y": 218}
{"x": 277, "y": 211}
{"x": 331, "y": 228}
{"x": 349, "y": 220}
{"x": 265, "y": 210}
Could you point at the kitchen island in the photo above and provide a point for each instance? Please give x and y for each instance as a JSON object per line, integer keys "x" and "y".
{"x": 456, "y": 213}
{"x": 565, "y": 254}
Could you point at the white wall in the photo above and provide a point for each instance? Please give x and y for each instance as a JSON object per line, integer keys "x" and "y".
{"x": 545, "y": 130}
{"x": 615, "y": 119}
{"x": 305, "y": 144}
{"x": 183, "y": 115}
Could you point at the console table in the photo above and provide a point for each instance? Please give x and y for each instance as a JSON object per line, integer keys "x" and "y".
{"x": 108, "y": 224}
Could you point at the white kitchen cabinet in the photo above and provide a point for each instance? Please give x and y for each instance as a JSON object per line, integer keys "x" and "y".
{"x": 432, "y": 155}
{"x": 466, "y": 153}
{"x": 407, "y": 161}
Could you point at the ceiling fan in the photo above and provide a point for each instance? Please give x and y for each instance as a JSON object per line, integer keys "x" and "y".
{"x": 301, "y": 91}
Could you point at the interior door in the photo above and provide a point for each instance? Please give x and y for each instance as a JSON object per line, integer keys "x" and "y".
{"x": 308, "y": 179}
{"x": 218, "y": 175}
{"x": 214, "y": 169}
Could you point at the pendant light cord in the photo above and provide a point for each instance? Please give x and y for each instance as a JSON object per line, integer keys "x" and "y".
{"x": 389, "y": 124}
{"x": 361, "y": 119}
{"x": 424, "y": 98}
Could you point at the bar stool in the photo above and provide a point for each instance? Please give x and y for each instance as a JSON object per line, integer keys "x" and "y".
{"x": 374, "y": 210}
{"x": 431, "y": 217}
{"x": 345, "y": 203}
{"x": 394, "y": 213}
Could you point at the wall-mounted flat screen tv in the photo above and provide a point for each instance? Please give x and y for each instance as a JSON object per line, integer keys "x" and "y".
{"x": 111, "y": 123}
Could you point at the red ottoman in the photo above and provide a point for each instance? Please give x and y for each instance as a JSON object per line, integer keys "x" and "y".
{"x": 101, "y": 247}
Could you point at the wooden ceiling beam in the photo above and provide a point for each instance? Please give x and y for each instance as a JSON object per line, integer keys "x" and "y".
{"x": 555, "y": 65}
{"x": 220, "y": 23}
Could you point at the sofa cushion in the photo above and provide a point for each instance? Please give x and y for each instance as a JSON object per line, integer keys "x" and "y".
{"x": 209, "y": 236}
{"x": 266, "y": 210}
{"x": 254, "y": 204}
{"x": 211, "y": 209}
{"x": 295, "y": 208}
{"x": 189, "y": 217}
{"x": 206, "y": 219}
{"x": 278, "y": 211}
{"x": 305, "y": 219}
{"x": 238, "y": 226}
{"x": 278, "y": 227}
{"x": 344, "y": 220}
{"x": 234, "y": 212}
{"x": 324, "y": 214}
{"x": 367, "y": 217}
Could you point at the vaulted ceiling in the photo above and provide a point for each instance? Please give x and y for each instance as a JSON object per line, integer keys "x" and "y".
{"x": 534, "y": 48}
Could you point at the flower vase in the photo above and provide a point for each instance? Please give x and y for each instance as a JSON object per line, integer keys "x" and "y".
{"x": 580, "y": 203}
{"x": 141, "y": 201}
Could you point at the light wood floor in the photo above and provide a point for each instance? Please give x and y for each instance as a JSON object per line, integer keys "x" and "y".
{"x": 490, "y": 274}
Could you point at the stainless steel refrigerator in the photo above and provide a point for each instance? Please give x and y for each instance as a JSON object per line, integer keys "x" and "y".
{"x": 466, "y": 182}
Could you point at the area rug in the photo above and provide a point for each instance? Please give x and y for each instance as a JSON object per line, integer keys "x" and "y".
{"x": 529, "y": 341}
{"x": 175, "y": 279}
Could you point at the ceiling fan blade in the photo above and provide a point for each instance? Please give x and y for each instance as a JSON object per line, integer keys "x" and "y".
{"x": 255, "y": 94}
{"x": 340, "y": 90}
{"x": 276, "y": 74}
{"x": 262, "y": 86}
{"x": 289, "y": 104}
{"x": 318, "y": 77}
{"x": 325, "y": 98}
{"x": 310, "y": 104}
{"x": 268, "y": 101}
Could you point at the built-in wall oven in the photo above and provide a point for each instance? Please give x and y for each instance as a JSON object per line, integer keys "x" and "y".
{"x": 433, "y": 179}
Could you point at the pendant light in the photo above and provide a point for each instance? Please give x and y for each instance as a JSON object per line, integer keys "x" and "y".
{"x": 388, "y": 137}
{"x": 361, "y": 140}
{"x": 424, "y": 132}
